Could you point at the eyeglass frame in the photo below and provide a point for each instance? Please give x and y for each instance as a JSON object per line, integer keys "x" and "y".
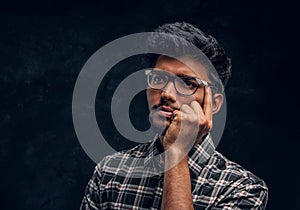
{"x": 172, "y": 78}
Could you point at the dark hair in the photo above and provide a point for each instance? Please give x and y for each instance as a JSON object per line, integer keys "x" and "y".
{"x": 206, "y": 43}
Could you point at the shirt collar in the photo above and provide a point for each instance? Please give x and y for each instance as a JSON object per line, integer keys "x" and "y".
{"x": 198, "y": 156}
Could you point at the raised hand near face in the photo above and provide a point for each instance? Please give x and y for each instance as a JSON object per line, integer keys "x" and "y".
{"x": 189, "y": 125}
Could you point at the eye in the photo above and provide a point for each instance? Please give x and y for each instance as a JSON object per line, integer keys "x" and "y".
{"x": 190, "y": 83}
{"x": 158, "y": 79}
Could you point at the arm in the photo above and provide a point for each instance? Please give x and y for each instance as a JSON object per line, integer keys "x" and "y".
{"x": 187, "y": 128}
{"x": 177, "y": 187}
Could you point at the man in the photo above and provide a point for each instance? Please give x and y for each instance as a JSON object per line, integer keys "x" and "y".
{"x": 183, "y": 94}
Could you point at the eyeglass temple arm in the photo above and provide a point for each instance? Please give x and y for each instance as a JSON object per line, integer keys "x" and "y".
{"x": 206, "y": 84}
{"x": 148, "y": 71}
{"x": 202, "y": 82}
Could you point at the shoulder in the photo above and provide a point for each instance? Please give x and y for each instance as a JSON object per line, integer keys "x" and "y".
{"x": 227, "y": 184}
{"x": 114, "y": 161}
{"x": 233, "y": 171}
{"x": 236, "y": 184}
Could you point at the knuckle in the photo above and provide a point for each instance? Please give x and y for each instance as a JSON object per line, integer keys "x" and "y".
{"x": 184, "y": 106}
{"x": 203, "y": 122}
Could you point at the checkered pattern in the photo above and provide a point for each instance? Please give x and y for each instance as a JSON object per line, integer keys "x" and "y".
{"x": 129, "y": 180}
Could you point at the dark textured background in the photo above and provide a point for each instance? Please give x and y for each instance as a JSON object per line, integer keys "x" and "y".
{"x": 44, "y": 44}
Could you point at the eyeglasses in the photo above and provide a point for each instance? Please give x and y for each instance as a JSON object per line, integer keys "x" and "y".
{"x": 184, "y": 85}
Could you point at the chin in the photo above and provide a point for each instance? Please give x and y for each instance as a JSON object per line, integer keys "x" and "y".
{"x": 159, "y": 123}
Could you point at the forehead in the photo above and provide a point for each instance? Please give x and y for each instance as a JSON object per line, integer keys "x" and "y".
{"x": 190, "y": 67}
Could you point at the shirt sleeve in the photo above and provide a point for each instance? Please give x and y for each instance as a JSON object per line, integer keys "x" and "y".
{"x": 246, "y": 196}
{"x": 91, "y": 199}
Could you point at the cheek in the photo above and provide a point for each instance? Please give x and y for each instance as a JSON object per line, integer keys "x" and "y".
{"x": 184, "y": 100}
{"x": 153, "y": 97}
{"x": 199, "y": 97}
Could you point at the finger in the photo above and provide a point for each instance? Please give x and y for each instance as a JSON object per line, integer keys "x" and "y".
{"x": 196, "y": 108}
{"x": 176, "y": 113}
{"x": 207, "y": 108}
{"x": 186, "y": 109}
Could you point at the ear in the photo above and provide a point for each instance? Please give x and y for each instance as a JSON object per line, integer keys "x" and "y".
{"x": 217, "y": 99}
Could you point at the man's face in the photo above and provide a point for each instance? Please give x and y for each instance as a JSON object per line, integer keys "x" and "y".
{"x": 162, "y": 103}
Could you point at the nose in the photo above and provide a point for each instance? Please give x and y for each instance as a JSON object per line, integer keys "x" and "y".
{"x": 169, "y": 92}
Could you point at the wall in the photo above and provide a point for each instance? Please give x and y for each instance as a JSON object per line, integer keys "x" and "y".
{"x": 44, "y": 45}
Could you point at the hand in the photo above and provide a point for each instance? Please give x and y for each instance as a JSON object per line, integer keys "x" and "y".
{"x": 189, "y": 125}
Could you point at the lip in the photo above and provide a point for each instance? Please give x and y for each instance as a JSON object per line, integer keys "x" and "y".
{"x": 165, "y": 111}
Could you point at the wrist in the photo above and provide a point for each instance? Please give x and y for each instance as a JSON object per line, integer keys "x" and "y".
{"x": 175, "y": 156}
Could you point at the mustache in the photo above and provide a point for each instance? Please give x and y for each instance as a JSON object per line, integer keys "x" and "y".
{"x": 165, "y": 104}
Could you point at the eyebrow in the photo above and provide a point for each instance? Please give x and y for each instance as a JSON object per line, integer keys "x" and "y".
{"x": 179, "y": 75}
{"x": 186, "y": 76}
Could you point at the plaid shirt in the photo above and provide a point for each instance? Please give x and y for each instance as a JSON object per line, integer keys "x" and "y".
{"x": 127, "y": 180}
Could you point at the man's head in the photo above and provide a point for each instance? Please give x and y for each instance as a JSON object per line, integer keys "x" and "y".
{"x": 165, "y": 99}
